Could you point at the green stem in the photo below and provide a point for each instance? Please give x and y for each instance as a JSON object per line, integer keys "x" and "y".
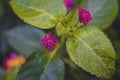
{"x": 53, "y": 53}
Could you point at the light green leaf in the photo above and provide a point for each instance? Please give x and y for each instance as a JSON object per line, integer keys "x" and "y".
{"x": 103, "y": 12}
{"x": 114, "y": 37}
{"x": 90, "y": 49}
{"x": 69, "y": 21}
{"x": 60, "y": 29}
{"x": 40, "y": 13}
{"x": 25, "y": 39}
{"x": 37, "y": 68}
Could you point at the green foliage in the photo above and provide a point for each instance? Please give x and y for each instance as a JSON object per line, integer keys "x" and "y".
{"x": 25, "y": 39}
{"x": 38, "y": 68}
{"x": 103, "y": 12}
{"x": 87, "y": 46}
{"x": 40, "y": 13}
{"x": 66, "y": 23}
{"x": 90, "y": 49}
{"x": 71, "y": 19}
{"x": 47, "y": 16}
{"x": 112, "y": 34}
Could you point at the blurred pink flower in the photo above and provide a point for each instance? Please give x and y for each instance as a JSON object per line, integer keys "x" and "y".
{"x": 12, "y": 62}
{"x": 11, "y": 57}
{"x": 69, "y": 4}
{"x": 84, "y": 16}
{"x": 49, "y": 41}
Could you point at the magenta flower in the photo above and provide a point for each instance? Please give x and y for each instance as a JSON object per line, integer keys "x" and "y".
{"x": 84, "y": 16}
{"x": 6, "y": 60}
{"x": 49, "y": 41}
{"x": 69, "y": 4}
{"x": 12, "y": 62}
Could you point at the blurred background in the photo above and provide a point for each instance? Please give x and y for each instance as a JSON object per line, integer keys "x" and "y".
{"x": 8, "y": 21}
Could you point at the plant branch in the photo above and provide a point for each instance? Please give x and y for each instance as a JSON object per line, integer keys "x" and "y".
{"x": 53, "y": 53}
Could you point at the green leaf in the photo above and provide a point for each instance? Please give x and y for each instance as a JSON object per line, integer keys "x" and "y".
{"x": 60, "y": 29}
{"x": 114, "y": 37}
{"x": 103, "y": 12}
{"x": 69, "y": 21}
{"x": 40, "y": 13}
{"x": 25, "y": 39}
{"x": 90, "y": 49}
{"x": 38, "y": 68}
{"x": 12, "y": 75}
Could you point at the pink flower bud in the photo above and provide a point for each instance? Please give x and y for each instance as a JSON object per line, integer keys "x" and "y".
{"x": 84, "y": 16}
{"x": 49, "y": 41}
{"x": 69, "y": 4}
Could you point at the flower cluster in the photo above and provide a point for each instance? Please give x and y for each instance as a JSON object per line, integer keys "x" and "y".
{"x": 84, "y": 16}
{"x": 49, "y": 41}
{"x": 69, "y": 4}
{"x": 12, "y": 62}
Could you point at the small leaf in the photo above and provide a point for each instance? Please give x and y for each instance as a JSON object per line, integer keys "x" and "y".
{"x": 37, "y": 68}
{"x": 90, "y": 49}
{"x": 25, "y": 39}
{"x": 104, "y": 12}
{"x": 71, "y": 19}
{"x": 40, "y": 13}
{"x": 60, "y": 29}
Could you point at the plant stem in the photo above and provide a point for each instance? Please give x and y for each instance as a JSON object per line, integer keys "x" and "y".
{"x": 53, "y": 53}
{"x": 56, "y": 49}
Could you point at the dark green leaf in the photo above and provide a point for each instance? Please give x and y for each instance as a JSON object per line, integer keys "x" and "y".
{"x": 90, "y": 49}
{"x": 103, "y": 12}
{"x": 40, "y": 13}
{"x": 25, "y": 39}
{"x": 37, "y": 68}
